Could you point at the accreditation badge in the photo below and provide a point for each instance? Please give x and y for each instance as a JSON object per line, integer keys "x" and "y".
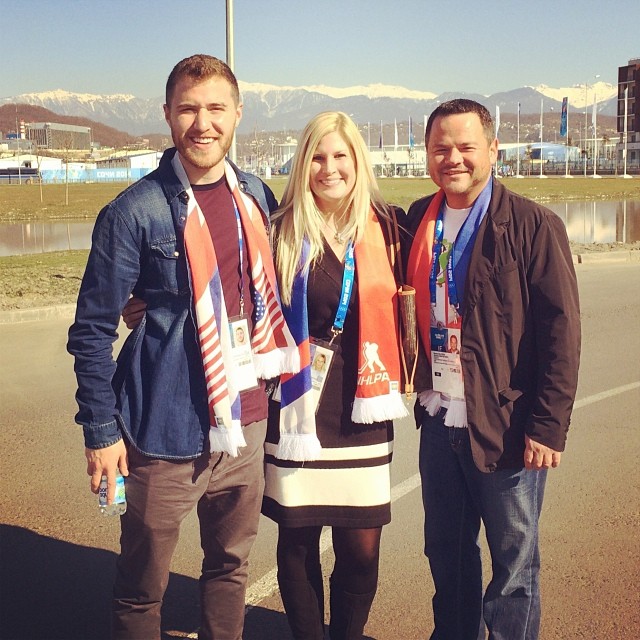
{"x": 322, "y": 353}
{"x": 244, "y": 373}
{"x": 446, "y": 367}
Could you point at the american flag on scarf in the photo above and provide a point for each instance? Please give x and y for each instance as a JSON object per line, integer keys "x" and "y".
{"x": 271, "y": 341}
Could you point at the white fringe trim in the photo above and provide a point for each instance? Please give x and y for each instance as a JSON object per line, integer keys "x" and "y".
{"x": 387, "y": 407}
{"x": 456, "y": 415}
{"x": 273, "y": 363}
{"x": 430, "y": 400}
{"x": 300, "y": 447}
{"x": 226, "y": 440}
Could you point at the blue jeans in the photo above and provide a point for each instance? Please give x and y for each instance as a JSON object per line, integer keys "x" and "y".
{"x": 457, "y": 496}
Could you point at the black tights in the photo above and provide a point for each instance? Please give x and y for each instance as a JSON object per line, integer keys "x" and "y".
{"x": 357, "y": 552}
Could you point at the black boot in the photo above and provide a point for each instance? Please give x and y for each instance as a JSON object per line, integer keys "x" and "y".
{"x": 349, "y": 612}
{"x": 304, "y": 608}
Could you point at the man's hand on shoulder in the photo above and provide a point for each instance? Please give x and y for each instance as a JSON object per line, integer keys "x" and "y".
{"x": 106, "y": 462}
{"x": 538, "y": 456}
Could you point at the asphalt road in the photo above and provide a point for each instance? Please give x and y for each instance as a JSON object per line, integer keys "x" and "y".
{"x": 58, "y": 553}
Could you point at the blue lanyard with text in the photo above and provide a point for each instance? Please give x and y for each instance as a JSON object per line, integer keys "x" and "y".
{"x": 345, "y": 294}
{"x": 451, "y": 283}
{"x": 240, "y": 246}
{"x": 437, "y": 250}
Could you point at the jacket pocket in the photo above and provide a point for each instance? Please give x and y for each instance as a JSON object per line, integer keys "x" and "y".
{"x": 168, "y": 265}
{"x": 508, "y": 394}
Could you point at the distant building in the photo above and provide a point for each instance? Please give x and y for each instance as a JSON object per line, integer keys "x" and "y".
{"x": 401, "y": 160}
{"x": 128, "y": 159}
{"x": 54, "y": 136}
{"x": 629, "y": 99}
{"x": 285, "y": 151}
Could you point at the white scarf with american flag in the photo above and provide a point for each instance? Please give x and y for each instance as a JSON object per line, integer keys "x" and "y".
{"x": 273, "y": 348}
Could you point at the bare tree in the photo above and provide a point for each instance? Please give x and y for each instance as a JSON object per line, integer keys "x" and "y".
{"x": 67, "y": 145}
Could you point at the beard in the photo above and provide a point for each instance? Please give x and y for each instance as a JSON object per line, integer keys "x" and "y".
{"x": 203, "y": 159}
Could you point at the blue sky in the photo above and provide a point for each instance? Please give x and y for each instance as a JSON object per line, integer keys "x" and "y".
{"x": 129, "y": 46}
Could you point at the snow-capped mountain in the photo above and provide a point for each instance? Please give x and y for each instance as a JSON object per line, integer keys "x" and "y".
{"x": 581, "y": 94}
{"x": 273, "y": 108}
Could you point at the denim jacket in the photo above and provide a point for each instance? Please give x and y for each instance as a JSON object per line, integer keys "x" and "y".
{"x": 155, "y": 393}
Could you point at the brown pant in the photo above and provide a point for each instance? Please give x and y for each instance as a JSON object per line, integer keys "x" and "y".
{"x": 160, "y": 494}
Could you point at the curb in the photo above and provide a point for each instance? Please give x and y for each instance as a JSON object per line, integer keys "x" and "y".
{"x": 606, "y": 256}
{"x": 38, "y": 313}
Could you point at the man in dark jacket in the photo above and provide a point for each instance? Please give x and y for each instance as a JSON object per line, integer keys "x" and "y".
{"x": 494, "y": 270}
{"x": 190, "y": 239}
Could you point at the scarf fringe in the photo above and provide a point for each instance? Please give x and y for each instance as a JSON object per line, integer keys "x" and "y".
{"x": 222, "y": 440}
{"x": 387, "y": 407}
{"x": 430, "y": 400}
{"x": 300, "y": 447}
{"x": 456, "y": 415}
{"x": 272, "y": 364}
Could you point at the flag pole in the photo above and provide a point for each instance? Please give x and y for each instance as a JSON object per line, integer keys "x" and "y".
{"x": 565, "y": 105}
{"x": 541, "y": 138}
{"x": 497, "y": 123}
{"x": 595, "y": 136}
{"x": 424, "y": 137}
{"x": 518, "y": 145}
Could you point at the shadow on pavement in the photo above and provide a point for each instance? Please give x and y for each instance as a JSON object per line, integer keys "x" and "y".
{"x": 56, "y": 590}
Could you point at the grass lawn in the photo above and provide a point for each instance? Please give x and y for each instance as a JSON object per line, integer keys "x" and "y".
{"x": 42, "y": 279}
{"x": 22, "y": 202}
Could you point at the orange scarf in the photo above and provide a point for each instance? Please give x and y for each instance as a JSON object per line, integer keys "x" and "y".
{"x": 378, "y": 388}
{"x": 419, "y": 268}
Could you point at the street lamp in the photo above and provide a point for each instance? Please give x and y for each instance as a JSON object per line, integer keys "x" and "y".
{"x": 231, "y": 64}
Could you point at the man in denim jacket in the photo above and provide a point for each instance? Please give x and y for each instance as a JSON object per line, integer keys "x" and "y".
{"x": 148, "y": 415}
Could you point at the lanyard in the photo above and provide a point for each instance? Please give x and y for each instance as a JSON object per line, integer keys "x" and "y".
{"x": 457, "y": 248}
{"x": 345, "y": 294}
{"x": 451, "y": 283}
{"x": 240, "y": 246}
{"x": 437, "y": 250}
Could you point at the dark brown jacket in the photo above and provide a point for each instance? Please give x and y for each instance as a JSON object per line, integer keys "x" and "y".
{"x": 520, "y": 330}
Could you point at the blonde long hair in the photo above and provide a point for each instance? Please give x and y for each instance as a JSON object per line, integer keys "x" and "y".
{"x": 299, "y": 216}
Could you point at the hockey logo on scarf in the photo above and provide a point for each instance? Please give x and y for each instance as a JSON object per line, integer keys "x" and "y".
{"x": 378, "y": 395}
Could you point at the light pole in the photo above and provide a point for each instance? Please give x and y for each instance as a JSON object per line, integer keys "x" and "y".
{"x": 230, "y": 63}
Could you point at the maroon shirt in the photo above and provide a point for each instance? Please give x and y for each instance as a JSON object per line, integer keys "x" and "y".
{"x": 216, "y": 203}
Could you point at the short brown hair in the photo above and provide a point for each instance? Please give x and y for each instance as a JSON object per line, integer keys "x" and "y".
{"x": 201, "y": 67}
{"x": 462, "y": 105}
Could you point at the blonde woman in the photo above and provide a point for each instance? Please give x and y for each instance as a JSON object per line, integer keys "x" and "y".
{"x": 329, "y": 444}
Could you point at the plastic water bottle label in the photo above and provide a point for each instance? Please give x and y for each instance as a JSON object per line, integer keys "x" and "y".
{"x": 120, "y": 497}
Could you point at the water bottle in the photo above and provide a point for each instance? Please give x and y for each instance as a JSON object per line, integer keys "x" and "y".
{"x": 119, "y": 505}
